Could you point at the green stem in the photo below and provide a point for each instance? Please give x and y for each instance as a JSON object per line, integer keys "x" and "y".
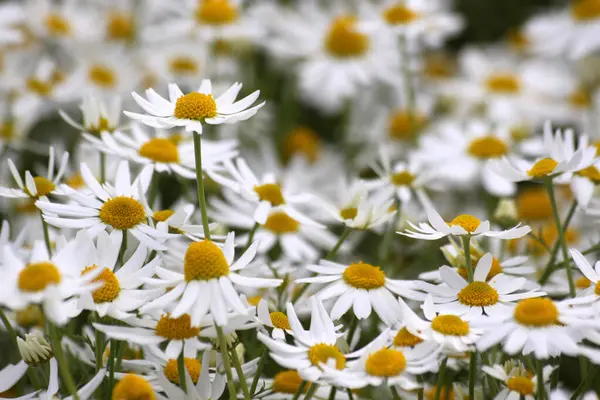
{"x": 200, "y": 183}
{"x": 568, "y": 219}
{"x": 264, "y": 356}
{"x": 226, "y": 362}
{"x": 238, "y": 368}
{"x": 541, "y": 390}
{"x": 353, "y": 326}
{"x": 251, "y": 235}
{"x": 102, "y": 167}
{"x": 466, "y": 241}
{"x": 420, "y": 391}
{"x": 440, "y": 381}
{"x": 332, "y": 393}
{"x": 311, "y": 391}
{"x": 123, "y": 249}
{"x": 561, "y": 239}
{"x": 300, "y": 390}
{"x": 9, "y": 328}
{"x": 472, "y": 374}
{"x": 111, "y": 367}
{"x": 585, "y": 384}
{"x": 98, "y": 349}
{"x": 181, "y": 371}
{"x": 62, "y": 365}
{"x": 153, "y": 190}
{"x": 491, "y": 380}
{"x": 384, "y": 250}
{"x": 350, "y": 395}
{"x": 395, "y": 394}
{"x": 46, "y": 234}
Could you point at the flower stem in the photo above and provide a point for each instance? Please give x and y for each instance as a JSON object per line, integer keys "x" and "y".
{"x": 62, "y": 362}
{"x": 251, "y": 236}
{"x": 261, "y": 364}
{"x": 353, "y": 326}
{"x": 111, "y": 367}
{"x": 8, "y": 326}
{"x": 226, "y": 362}
{"x": 466, "y": 241}
{"x": 238, "y": 368}
{"x": 181, "y": 371}
{"x": 472, "y": 374}
{"x": 561, "y": 236}
{"x": 350, "y": 395}
{"x": 541, "y": 390}
{"x": 200, "y": 183}
{"x": 491, "y": 381}
{"x": 332, "y": 253}
{"x": 395, "y": 394}
{"x": 384, "y": 250}
{"x": 153, "y": 190}
{"x": 300, "y": 390}
{"x": 46, "y": 234}
{"x": 311, "y": 391}
{"x": 102, "y": 167}
{"x": 332, "y": 393}
{"x": 98, "y": 348}
{"x": 420, "y": 389}
{"x": 440, "y": 381}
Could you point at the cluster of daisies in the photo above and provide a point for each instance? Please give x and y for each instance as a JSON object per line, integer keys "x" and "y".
{"x": 430, "y": 216}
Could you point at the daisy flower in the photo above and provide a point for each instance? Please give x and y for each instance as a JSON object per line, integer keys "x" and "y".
{"x": 311, "y": 348}
{"x": 38, "y": 186}
{"x": 463, "y": 224}
{"x": 592, "y": 292}
{"x": 12, "y": 15}
{"x": 584, "y": 184}
{"x": 206, "y": 284}
{"x": 177, "y": 221}
{"x": 99, "y": 115}
{"x": 193, "y": 109}
{"x": 285, "y": 384}
{"x": 402, "y": 339}
{"x": 62, "y": 22}
{"x": 276, "y": 320}
{"x": 122, "y": 208}
{"x": 482, "y": 296}
{"x": 519, "y": 382}
{"x": 363, "y": 287}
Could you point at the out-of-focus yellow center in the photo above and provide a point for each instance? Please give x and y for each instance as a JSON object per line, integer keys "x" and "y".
{"x": 270, "y": 192}
{"x": 343, "y": 40}
{"x": 75, "y": 181}
{"x": 7, "y": 131}
{"x": 204, "y": 261}
{"x": 468, "y": 222}
{"x": 580, "y": 99}
{"x": 585, "y": 10}
{"x": 385, "y": 363}
{"x": 348, "y": 213}
{"x": 542, "y": 168}
{"x": 399, "y": 14}
{"x": 120, "y": 26}
{"x": 406, "y": 339}
{"x": 404, "y": 125}
{"x": 302, "y": 141}
{"x": 216, "y": 12}
{"x": 281, "y": 223}
{"x": 583, "y": 283}
{"x": 322, "y": 353}
{"x": 403, "y": 178}
{"x": 102, "y": 76}
{"x": 287, "y": 382}
{"x": 537, "y": 312}
{"x": 110, "y": 288}
{"x": 133, "y": 387}
{"x": 364, "y": 276}
{"x": 122, "y": 212}
{"x": 517, "y": 40}
{"x": 43, "y": 186}
{"x": 533, "y": 204}
{"x": 487, "y": 147}
{"x": 494, "y": 270}
{"x": 57, "y": 25}
{"x": 521, "y": 384}
{"x": 160, "y": 150}
{"x": 280, "y": 320}
{"x": 183, "y": 65}
{"x": 503, "y": 83}
{"x": 195, "y": 106}
{"x": 162, "y": 215}
{"x": 192, "y": 365}
{"x": 176, "y": 328}
{"x": 450, "y": 325}
{"x": 36, "y": 277}
{"x": 30, "y": 316}
{"x": 39, "y": 87}
{"x": 478, "y": 294}
{"x": 591, "y": 173}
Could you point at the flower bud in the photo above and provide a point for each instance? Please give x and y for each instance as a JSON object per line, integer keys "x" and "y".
{"x": 34, "y": 350}
{"x": 506, "y": 212}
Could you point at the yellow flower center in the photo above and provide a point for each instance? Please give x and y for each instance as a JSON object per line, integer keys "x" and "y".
{"x": 39, "y": 87}
{"x": 503, "y": 83}
{"x": 406, "y": 339}
{"x": 591, "y": 173}
{"x": 349, "y": 213}
{"x": 281, "y": 223}
{"x": 160, "y": 150}
{"x": 110, "y": 288}
{"x": 176, "y": 328}
{"x": 322, "y": 353}
{"x": 404, "y": 125}
{"x": 216, "y": 12}
{"x": 521, "y": 384}
{"x": 133, "y": 387}
{"x": 494, "y": 270}
{"x": 254, "y": 300}
{"x": 280, "y": 320}
{"x": 468, "y": 222}
{"x": 162, "y": 215}
{"x": 583, "y": 283}
{"x": 75, "y": 181}
{"x": 120, "y": 26}
{"x": 122, "y": 212}
{"x": 399, "y": 14}
{"x": 597, "y": 288}
{"x": 537, "y": 312}
{"x": 445, "y": 393}
{"x": 487, "y": 147}
{"x": 103, "y": 125}
{"x": 57, "y": 25}
{"x": 43, "y": 186}
{"x": 302, "y": 141}
{"x": 102, "y": 76}
{"x": 270, "y": 192}
{"x": 533, "y": 204}
{"x": 30, "y": 316}
{"x": 192, "y": 365}
{"x": 437, "y": 68}
{"x": 403, "y": 178}
{"x": 478, "y": 294}
{"x": 287, "y": 382}
{"x": 364, "y": 276}
{"x": 517, "y": 40}
{"x": 204, "y": 261}
{"x": 183, "y": 65}
{"x": 26, "y": 207}
{"x": 385, "y": 363}
{"x": 450, "y": 325}
{"x": 195, "y": 106}
{"x": 7, "y": 131}
{"x": 343, "y": 40}
{"x": 585, "y": 10}
{"x": 542, "y": 168}
{"x": 580, "y": 99}
{"x": 37, "y": 276}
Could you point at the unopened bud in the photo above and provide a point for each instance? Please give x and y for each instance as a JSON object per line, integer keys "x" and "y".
{"x": 34, "y": 349}
{"x": 506, "y": 212}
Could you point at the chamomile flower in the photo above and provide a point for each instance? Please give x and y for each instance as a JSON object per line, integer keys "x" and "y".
{"x": 58, "y": 22}
{"x": 285, "y": 384}
{"x": 12, "y": 16}
{"x": 311, "y": 348}
{"x": 519, "y": 382}
{"x": 592, "y": 292}
{"x": 482, "y": 296}
{"x": 121, "y": 207}
{"x": 99, "y": 115}
{"x": 195, "y": 108}
{"x": 178, "y": 222}
{"x": 463, "y": 224}
{"x": 363, "y": 287}
{"x": 276, "y": 320}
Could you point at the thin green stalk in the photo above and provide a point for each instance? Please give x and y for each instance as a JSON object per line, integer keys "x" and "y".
{"x": 420, "y": 391}
{"x": 585, "y": 384}
{"x": 541, "y": 389}
{"x": 561, "y": 239}
{"x": 472, "y": 374}
{"x": 200, "y": 183}
{"x": 62, "y": 364}
{"x": 251, "y": 235}
{"x": 123, "y": 249}
{"x": 300, "y": 390}
{"x": 332, "y": 393}
{"x": 98, "y": 349}
{"x": 242, "y": 378}
{"x": 350, "y": 395}
{"x": 466, "y": 241}
{"x": 226, "y": 362}
{"x": 9, "y": 328}
{"x": 46, "y": 234}
{"x": 353, "y": 326}
{"x": 264, "y": 356}
{"x": 111, "y": 368}
{"x": 395, "y": 394}
{"x": 493, "y": 384}
{"x": 440, "y": 381}
{"x": 568, "y": 219}
{"x": 181, "y": 371}
{"x": 311, "y": 391}
{"x": 102, "y": 167}
{"x": 153, "y": 190}
{"x": 384, "y": 250}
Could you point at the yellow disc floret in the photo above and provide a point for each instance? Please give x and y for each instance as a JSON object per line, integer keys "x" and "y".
{"x": 399, "y": 14}
{"x": 216, "y": 12}
{"x": 57, "y": 25}
{"x": 537, "y": 312}
{"x": 110, "y": 288}
{"x": 270, "y": 192}
{"x": 533, "y": 204}
{"x": 195, "y": 106}
{"x": 349, "y": 213}
{"x": 403, "y": 178}
{"x": 542, "y": 168}
{"x": 43, "y": 186}
{"x": 102, "y": 76}
{"x": 30, "y": 316}
{"x": 287, "y": 382}
{"x": 478, "y": 294}
{"x": 343, "y": 39}
{"x": 204, "y": 261}
{"x": 580, "y": 99}
{"x": 183, "y": 65}
{"x": 503, "y": 83}
{"x": 133, "y": 387}
{"x": 450, "y": 325}
{"x": 364, "y": 276}
{"x": 122, "y": 212}
{"x": 406, "y": 339}
{"x": 160, "y": 150}
{"x": 468, "y": 222}
{"x": 120, "y": 26}
{"x": 280, "y": 320}
{"x": 487, "y": 147}
{"x": 385, "y": 363}
{"x": 39, "y": 87}
{"x": 192, "y": 365}
{"x": 281, "y": 223}
{"x": 302, "y": 141}
{"x": 322, "y": 353}
{"x": 591, "y": 173}
{"x": 176, "y": 328}
{"x": 585, "y": 10}
{"x": 404, "y": 124}
{"x": 521, "y": 384}
{"x": 36, "y": 277}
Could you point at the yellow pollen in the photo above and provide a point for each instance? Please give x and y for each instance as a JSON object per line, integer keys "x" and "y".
{"x": 583, "y": 283}
{"x": 343, "y": 39}
{"x": 192, "y": 365}
{"x": 7, "y": 131}
{"x": 406, "y": 339}
{"x": 445, "y": 394}
{"x": 399, "y": 14}
{"x": 42, "y": 185}
{"x": 287, "y": 382}
{"x": 195, "y": 106}
{"x": 122, "y": 212}
{"x": 537, "y": 312}
{"x": 216, "y": 12}
{"x": 110, "y": 289}
{"x": 133, "y": 387}
{"x": 204, "y": 261}
{"x": 183, "y": 65}
{"x": 280, "y": 320}
{"x": 120, "y": 26}
{"x": 478, "y": 294}
{"x": 281, "y": 223}
{"x": 591, "y": 173}
{"x": 75, "y": 181}
{"x": 163, "y": 215}
{"x": 404, "y": 125}
{"x": 503, "y": 83}
{"x": 487, "y": 147}
{"x": 39, "y": 87}
{"x": 494, "y": 270}
{"x": 160, "y": 150}
{"x": 176, "y": 138}
{"x": 585, "y": 10}
{"x": 254, "y": 300}
{"x": 385, "y": 363}
{"x": 521, "y": 384}
{"x": 349, "y": 213}
{"x": 450, "y": 325}
{"x": 103, "y": 125}
{"x": 322, "y": 353}
{"x": 270, "y": 192}
{"x": 364, "y": 276}
{"x": 403, "y": 178}
{"x": 533, "y": 204}
{"x": 542, "y": 168}
{"x": 176, "y": 328}
{"x": 302, "y": 141}
{"x": 597, "y": 288}
{"x": 37, "y": 276}
{"x": 57, "y": 25}
{"x": 468, "y": 222}
{"x": 30, "y": 316}
{"x": 102, "y": 76}
{"x": 580, "y": 99}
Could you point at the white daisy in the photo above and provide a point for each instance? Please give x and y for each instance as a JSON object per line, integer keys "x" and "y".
{"x": 11, "y": 374}
{"x": 179, "y": 222}
{"x": 592, "y": 293}
{"x": 195, "y": 108}
{"x": 285, "y": 384}
{"x": 519, "y": 382}
{"x": 276, "y": 320}
{"x": 98, "y": 114}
